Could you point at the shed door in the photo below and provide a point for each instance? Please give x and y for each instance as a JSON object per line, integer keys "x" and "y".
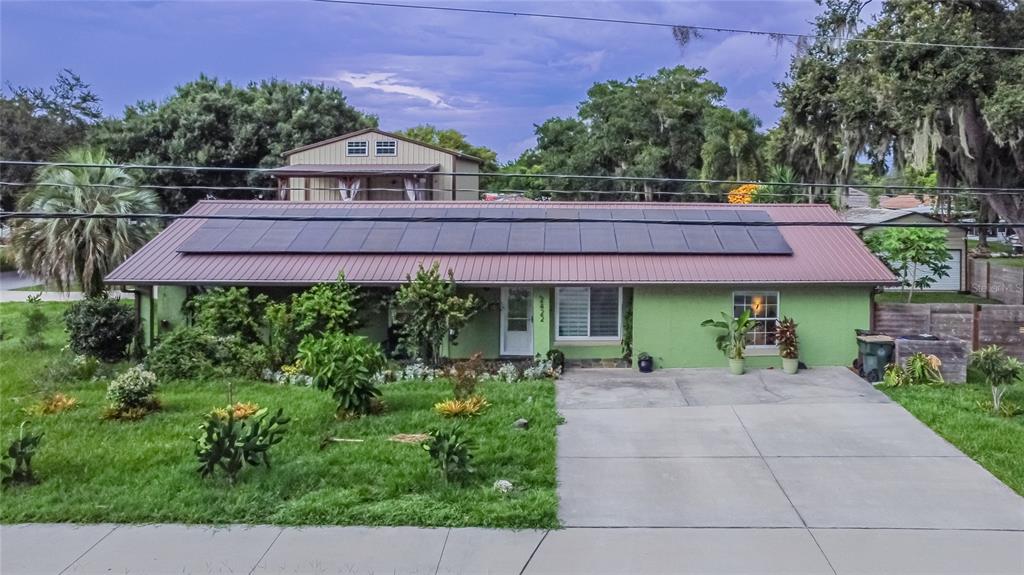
{"x": 952, "y": 281}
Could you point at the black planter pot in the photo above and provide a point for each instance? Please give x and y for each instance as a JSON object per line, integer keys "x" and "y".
{"x": 645, "y": 364}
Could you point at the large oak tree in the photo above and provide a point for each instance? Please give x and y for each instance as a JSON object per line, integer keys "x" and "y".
{"x": 958, "y": 109}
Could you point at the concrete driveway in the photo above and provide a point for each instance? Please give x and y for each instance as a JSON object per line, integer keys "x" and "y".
{"x": 814, "y": 470}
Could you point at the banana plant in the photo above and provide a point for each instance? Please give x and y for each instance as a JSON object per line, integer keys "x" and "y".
{"x": 734, "y": 341}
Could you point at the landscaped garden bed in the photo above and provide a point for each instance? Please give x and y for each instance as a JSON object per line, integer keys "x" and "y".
{"x": 328, "y": 469}
{"x": 964, "y": 416}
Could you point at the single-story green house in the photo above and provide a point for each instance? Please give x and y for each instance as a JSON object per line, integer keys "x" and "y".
{"x": 579, "y": 277}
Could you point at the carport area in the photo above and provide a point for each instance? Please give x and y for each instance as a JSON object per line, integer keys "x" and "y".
{"x": 819, "y": 472}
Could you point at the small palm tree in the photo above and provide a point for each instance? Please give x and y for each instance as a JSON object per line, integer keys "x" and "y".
{"x": 63, "y": 251}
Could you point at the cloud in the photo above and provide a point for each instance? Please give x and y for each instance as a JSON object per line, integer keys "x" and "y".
{"x": 387, "y": 82}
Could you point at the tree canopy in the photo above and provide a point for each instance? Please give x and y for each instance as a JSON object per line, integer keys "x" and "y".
{"x": 39, "y": 123}
{"x": 210, "y": 123}
{"x": 671, "y": 125}
{"x": 958, "y": 110}
{"x": 453, "y": 140}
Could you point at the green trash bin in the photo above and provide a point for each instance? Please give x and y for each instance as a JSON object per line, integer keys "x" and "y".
{"x": 874, "y": 352}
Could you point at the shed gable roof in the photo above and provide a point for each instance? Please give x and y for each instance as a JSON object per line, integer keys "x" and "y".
{"x": 357, "y": 133}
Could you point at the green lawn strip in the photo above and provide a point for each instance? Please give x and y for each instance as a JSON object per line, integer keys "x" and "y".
{"x": 1017, "y": 262}
{"x": 92, "y": 470}
{"x": 997, "y": 443}
{"x": 931, "y": 297}
{"x": 993, "y": 246}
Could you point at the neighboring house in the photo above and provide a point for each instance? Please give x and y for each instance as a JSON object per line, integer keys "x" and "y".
{"x": 956, "y": 240}
{"x": 857, "y": 198}
{"x": 576, "y": 285}
{"x": 375, "y": 165}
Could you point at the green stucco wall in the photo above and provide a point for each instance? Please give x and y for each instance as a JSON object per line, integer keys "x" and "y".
{"x": 160, "y": 310}
{"x": 482, "y": 332}
{"x": 666, "y": 323}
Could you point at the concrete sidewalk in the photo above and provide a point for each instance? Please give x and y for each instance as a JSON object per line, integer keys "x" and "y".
{"x": 177, "y": 549}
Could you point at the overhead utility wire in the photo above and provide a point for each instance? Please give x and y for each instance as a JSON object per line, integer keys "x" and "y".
{"x": 980, "y": 190}
{"x": 655, "y": 24}
{"x": 473, "y": 219}
{"x": 210, "y": 189}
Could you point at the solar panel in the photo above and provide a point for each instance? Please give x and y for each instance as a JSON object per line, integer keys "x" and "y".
{"x": 655, "y": 230}
{"x": 562, "y": 237}
{"x": 633, "y": 238}
{"x": 597, "y": 237}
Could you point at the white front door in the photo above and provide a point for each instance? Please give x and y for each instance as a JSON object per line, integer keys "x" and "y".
{"x": 516, "y": 321}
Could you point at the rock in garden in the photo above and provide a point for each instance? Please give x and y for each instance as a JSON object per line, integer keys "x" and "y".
{"x": 521, "y": 423}
{"x": 503, "y": 486}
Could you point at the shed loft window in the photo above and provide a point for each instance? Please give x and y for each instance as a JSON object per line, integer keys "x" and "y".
{"x": 387, "y": 148}
{"x": 764, "y": 310}
{"x": 357, "y": 149}
{"x": 588, "y": 313}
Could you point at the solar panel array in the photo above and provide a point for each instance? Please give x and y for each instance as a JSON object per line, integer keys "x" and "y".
{"x": 562, "y": 232}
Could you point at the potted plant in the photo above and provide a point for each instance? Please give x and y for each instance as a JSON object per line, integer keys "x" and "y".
{"x": 734, "y": 341}
{"x": 645, "y": 362}
{"x": 789, "y": 347}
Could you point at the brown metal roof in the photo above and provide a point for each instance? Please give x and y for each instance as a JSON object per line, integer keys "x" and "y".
{"x": 831, "y": 255}
{"x": 383, "y": 133}
{"x": 352, "y": 169}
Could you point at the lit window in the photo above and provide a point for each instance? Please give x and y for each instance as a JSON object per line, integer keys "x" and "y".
{"x": 357, "y": 148}
{"x": 764, "y": 310}
{"x": 588, "y": 313}
{"x": 387, "y": 148}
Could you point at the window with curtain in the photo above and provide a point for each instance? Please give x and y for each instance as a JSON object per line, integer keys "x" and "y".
{"x": 764, "y": 310}
{"x": 587, "y": 312}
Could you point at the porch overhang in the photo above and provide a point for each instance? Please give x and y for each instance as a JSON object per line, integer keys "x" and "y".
{"x": 350, "y": 170}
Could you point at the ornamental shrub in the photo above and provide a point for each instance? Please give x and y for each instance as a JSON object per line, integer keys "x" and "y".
{"x": 346, "y": 365}
{"x": 228, "y": 443}
{"x": 228, "y": 312}
{"x": 190, "y": 353}
{"x": 132, "y": 390}
{"x": 433, "y": 311}
{"x": 452, "y": 452}
{"x": 100, "y": 327}
{"x": 35, "y": 323}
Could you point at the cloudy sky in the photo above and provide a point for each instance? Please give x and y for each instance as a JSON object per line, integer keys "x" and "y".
{"x": 491, "y": 77}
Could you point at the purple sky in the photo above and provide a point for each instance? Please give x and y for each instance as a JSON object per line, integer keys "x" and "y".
{"x": 491, "y": 77}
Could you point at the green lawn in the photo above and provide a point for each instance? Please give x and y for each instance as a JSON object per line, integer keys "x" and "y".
{"x": 93, "y": 470}
{"x": 932, "y": 297}
{"x": 1017, "y": 262}
{"x": 997, "y": 443}
{"x": 993, "y": 246}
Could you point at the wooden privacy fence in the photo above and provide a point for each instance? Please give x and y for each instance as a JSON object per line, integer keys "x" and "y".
{"x": 1003, "y": 283}
{"x": 982, "y": 325}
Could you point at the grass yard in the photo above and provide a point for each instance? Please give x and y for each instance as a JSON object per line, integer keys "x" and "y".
{"x": 92, "y": 470}
{"x": 997, "y": 443}
{"x": 932, "y": 297}
{"x": 995, "y": 247}
{"x": 1017, "y": 262}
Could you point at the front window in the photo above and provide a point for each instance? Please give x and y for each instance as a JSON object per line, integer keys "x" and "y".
{"x": 357, "y": 149}
{"x": 764, "y": 310}
{"x": 387, "y": 148}
{"x": 588, "y": 313}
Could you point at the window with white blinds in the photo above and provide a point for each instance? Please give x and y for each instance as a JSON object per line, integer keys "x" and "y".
{"x": 587, "y": 313}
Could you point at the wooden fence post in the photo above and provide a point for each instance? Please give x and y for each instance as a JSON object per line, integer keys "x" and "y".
{"x": 975, "y": 327}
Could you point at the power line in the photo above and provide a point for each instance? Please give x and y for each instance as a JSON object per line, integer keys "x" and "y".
{"x": 932, "y": 189}
{"x": 475, "y": 219}
{"x": 650, "y": 23}
{"x": 585, "y": 192}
